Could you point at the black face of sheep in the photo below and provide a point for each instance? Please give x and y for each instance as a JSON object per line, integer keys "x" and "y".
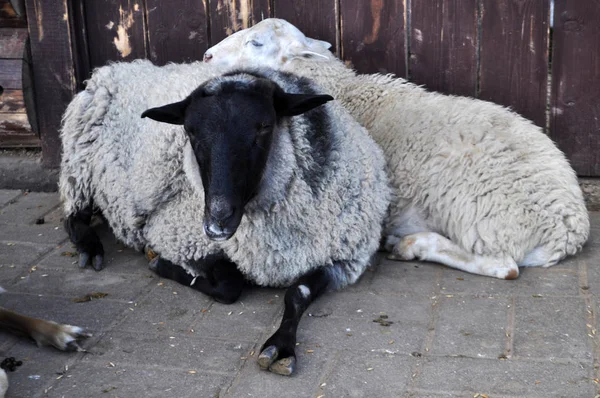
{"x": 231, "y": 127}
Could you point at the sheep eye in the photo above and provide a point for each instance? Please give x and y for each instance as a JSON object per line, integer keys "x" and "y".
{"x": 255, "y": 43}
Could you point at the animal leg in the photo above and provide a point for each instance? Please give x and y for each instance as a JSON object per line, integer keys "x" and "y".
{"x": 223, "y": 281}
{"x": 430, "y": 246}
{"x": 278, "y": 353}
{"x": 85, "y": 238}
{"x": 62, "y": 337}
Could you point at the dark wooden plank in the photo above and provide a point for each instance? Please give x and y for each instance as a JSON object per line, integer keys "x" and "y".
{"x": 229, "y": 16}
{"x": 575, "y": 104}
{"x": 443, "y": 45}
{"x": 177, "y": 30}
{"x": 11, "y": 101}
{"x": 10, "y": 141}
{"x": 12, "y": 42}
{"x": 9, "y": 18}
{"x": 11, "y": 74}
{"x": 373, "y": 37}
{"x": 52, "y": 63}
{"x": 81, "y": 51}
{"x": 514, "y": 55}
{"x": 315, "y": 18}
{"x": 115, "y": 30}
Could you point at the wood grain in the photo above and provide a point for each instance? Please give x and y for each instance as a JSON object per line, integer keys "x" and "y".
{"x": 115, "y": 30}
{"x": 11, "y": 74}
{"x": 177, "y": 30}
{"x": 229, "y": 16}
{"x": 575, "y": 104}
{"x": 372, "y": 35}
{"x": 54, "y": 77}
{"x": 443, "y": 45}
{"x": 514, "y": 55}
{"x": 12, "y": 42}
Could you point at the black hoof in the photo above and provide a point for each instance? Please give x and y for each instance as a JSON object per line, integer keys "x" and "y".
{"x": 267, "y": 357}
{"x": 97, "y": 261}
{"x": 284, "y": 367}
{"x": 281, "y": 362}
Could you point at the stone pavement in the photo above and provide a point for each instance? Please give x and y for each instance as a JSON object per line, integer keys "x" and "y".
{"x": 450, "y": 334}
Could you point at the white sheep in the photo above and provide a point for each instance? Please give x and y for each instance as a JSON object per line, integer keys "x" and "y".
{"x": 258, "y": 185}
{"x": 475, "y": 186}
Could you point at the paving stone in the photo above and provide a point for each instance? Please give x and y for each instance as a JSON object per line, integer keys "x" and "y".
{"x": 9, "y": 275}
{"x": 6, "y": 195}
{"x": 18, "y": 253}
{"x": 545, "y": 281}
{"x": 346, "y": 320}
{"x": 46, "y": 233}
{"x": 368, "y": 375}
{"x": 405, "y": 278}
{"x": 166, "y": 312}
{"x": 465, "y": 377}
{"x": 28, "y": 208}
{"x": 551, "y": 328}
{"x": 481, "y": 334}
{"x": 122, "y": 381}
{"x": 254, "y": 382}
{"x": 78, "y": 283}
{"x": 188, "y": 352}
{"x": 246, "y": 320}
{"x": 41, "y": 367}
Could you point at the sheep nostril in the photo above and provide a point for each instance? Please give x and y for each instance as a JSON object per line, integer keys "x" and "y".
{"x": 207, "y": 57}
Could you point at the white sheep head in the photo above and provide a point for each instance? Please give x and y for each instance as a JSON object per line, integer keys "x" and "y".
{"x": 272, "y": 43}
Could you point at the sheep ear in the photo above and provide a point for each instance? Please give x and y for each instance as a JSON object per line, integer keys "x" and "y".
{"x": 171, "y": 113}
{"x": 296, "y": 104}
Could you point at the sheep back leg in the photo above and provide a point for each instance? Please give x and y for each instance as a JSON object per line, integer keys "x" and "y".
{"x": 430, "y": 246}
{"x": 85, "y": 238}
{"x": 222, "y": 280}
{"x": 278, "y": 353}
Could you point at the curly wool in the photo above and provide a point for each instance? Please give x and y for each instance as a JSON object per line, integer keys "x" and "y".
{"x": 471, "y": 170}
{"x": 144, "y": 178}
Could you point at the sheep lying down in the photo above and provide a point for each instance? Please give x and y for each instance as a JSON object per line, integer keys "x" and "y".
{"x": 475, "y": 186}
{"x": 254, "y": 176}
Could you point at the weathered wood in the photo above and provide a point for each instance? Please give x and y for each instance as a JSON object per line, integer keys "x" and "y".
{"x": 12, "y": 42}
{"x": 11, "y": 101}
{"x": 81, "y": 52}
{"x": 316, "y": 18}
{"x": 11, "y": 74}
{"x": 229, "y": 16}
{"x": 52, "y": 63}
{"x": 177, "y": 30}
{"x": 13, "y": 141}
{"x": 14, "y": 124}
{"x": 575, "y": 104}
{"x": 115, "y": 30}
{"x": 514, "y": 55}
{"x": 372, "y": 35}
{"x": 9, "y": 18}
{"x": 443, "y": 45}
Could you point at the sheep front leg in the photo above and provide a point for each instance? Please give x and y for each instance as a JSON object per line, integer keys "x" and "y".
{"x": 85, "y": 238}
{"x": 278, "y": 353}
{"x": 223, "y": 281}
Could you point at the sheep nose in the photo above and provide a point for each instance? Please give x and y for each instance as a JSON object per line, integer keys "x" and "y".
{"x": 207, "y": 57}
{"x": 220, "y": 210}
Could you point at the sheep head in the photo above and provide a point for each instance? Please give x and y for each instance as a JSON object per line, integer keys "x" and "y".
{"x": 230, "y": 122}
{"x": 272, "y": 42}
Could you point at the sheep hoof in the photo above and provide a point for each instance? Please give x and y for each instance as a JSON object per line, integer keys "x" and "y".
{"x": 284, "y": 366}
{"x": 153, "y": 264}
{"x": 267, "y": 356}
{"x": 98, "y": 263}
{"x": 83, "y": 260}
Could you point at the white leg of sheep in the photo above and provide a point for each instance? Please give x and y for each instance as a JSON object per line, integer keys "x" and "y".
{"x": 430, "y": 246}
